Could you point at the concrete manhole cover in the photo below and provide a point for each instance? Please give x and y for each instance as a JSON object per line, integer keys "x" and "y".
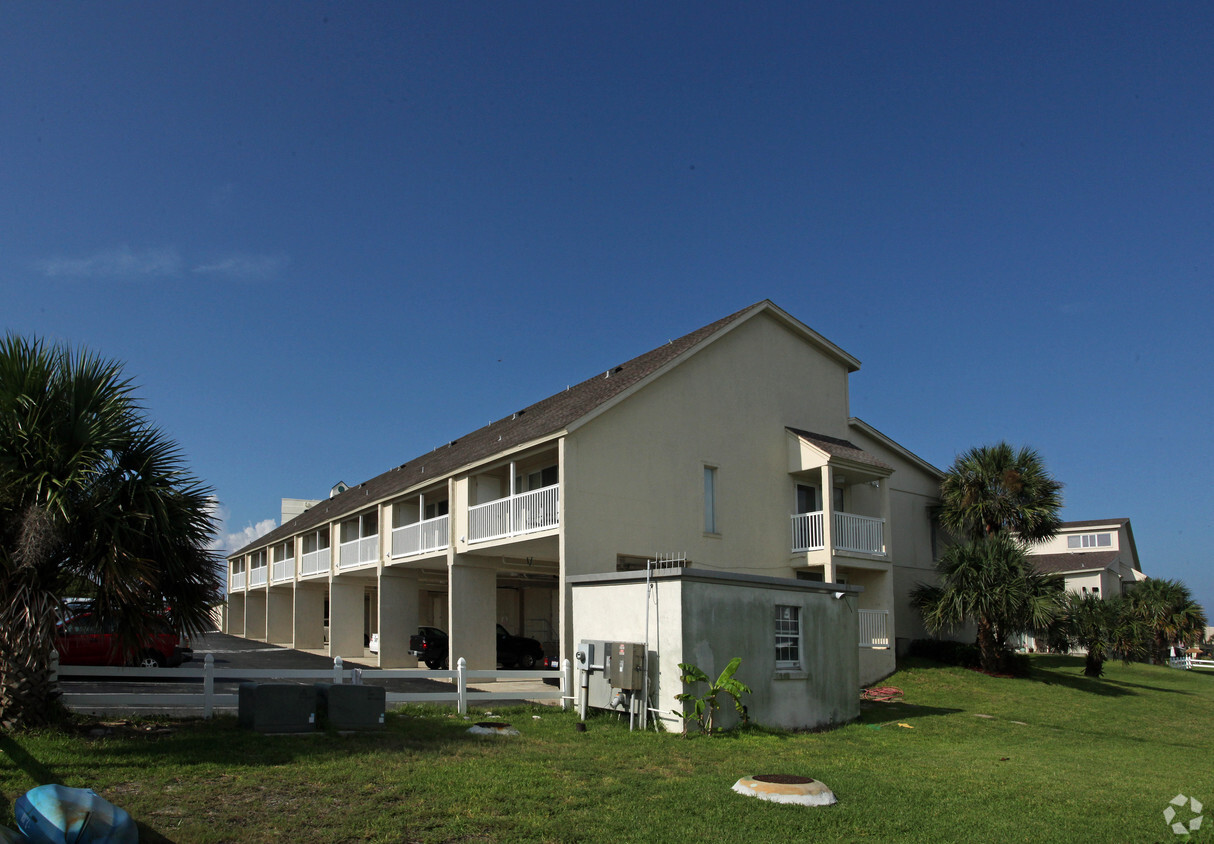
{"x": 786, "y": 788}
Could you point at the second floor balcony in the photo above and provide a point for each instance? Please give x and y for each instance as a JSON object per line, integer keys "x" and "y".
{"x": 257, "y": 576}
{"x": 849, "y": 533}
{"x": 236, "y": 581}
{"x": 315, "y": 562}
{"x": 282, "y": 570}
{"x": 358, "y": 552}
{"x": 421, "y": 537}
{"x": 515, "y": 515}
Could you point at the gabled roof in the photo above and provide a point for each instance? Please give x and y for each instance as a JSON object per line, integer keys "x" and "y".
{"x": 1079, "y": 561}
{"x": 842, "y": 449}
{"x": 534, "y": 423}
{"x": 862, "y": 426}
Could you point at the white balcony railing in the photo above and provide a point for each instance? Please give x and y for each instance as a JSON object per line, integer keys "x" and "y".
{"x": 873, "y": 633}
{"x": 358, "y": 552}
{"x": 421, "y": 537}
{"x": 515, "y": 515}
{"x": 858, "y": 533}
{"x": 807, "y": 532}
{"x": 257, "y": 576}
{"x": 315, "y": 562}
{"x": 236, "y": 582}
{"x": 282, "y": 570}
{"x": 850, "y": 532}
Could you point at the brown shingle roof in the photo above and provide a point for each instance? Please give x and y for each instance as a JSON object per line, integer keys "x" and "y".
{"x": 1079, "y": 561}
{"x": 544, "y": 418}
{"x": 842, "y": 449}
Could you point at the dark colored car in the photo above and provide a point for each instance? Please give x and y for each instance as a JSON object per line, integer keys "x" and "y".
{"x": 431, "y": 645}
{"x": 86, "y": 640}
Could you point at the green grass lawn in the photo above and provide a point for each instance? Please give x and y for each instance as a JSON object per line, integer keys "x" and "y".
{"x": 1060, "y": 758}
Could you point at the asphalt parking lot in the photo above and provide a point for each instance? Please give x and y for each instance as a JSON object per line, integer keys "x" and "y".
{"x": 234, "y": 652}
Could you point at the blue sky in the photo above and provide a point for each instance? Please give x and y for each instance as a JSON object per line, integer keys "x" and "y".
{"x": 327, "y": 237}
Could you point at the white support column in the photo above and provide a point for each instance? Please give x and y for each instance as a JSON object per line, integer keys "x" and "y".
{"x": 255, "y": 614}
{"x": 886, "y": 533}
{"x": 346, "y": 616}
{"x": 828, "y": 524}
{"x": 309, "y": 622}
{"x": 398, "y": 617}
{"x": 280, "y": 613}
{"x": 471, "y": 610}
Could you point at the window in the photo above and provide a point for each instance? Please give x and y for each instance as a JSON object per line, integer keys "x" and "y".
{"x": 788, "y": 637}
{"x": 435, "y": 509}
{"x": 807, "y": 499}
{"x": 710, "y": 499}
{"x": 1090, "y": 540}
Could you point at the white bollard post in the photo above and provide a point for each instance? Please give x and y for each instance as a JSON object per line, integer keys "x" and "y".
{"x": 337, "y": 671}
{"x": 208, "y": 686}
{"x": 566, "y": 685}
{"x": 461, "y": 681}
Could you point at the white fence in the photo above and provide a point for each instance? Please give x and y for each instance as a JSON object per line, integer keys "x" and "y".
{"x": 315, "y": 562}
{"x": 515, "y": 515}
{"x": 206, "y": 699}
{"x": 236, "y": 581}
{"x": 807, "y": 534}
{"x": 359, "y": 552}
{"x": 421, "y": 537}
{"x": 282, "y": 570}
{"x": 849, "y": 532}
{"x": 257, "y": 576}
{"x": 873, "y": 631}
{"x": 858, "y": 533}
{"x": 1188, "y": 663}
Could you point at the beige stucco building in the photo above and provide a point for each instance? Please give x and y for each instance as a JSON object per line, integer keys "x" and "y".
{"x": 732, "y": 446}
{"x": 1094, "y": 557}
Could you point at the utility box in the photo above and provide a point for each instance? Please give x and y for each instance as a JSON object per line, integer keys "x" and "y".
{"x": 277, "y": 707}
{"x": 627, "y": 665}
{"x": 345, "y": 707}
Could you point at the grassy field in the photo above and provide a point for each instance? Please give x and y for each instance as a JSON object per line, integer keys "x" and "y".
{"x": 967, "y": 757}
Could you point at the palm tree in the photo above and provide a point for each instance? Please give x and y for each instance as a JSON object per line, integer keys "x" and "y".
{"x": 1102, "y": 627}
{"x": 993, "y": 500}
{"x": 989, "y": 582}
{"x": 90, "y": 493}
{"x": 1170, "y": 615}
{"x": 997, "y": 489}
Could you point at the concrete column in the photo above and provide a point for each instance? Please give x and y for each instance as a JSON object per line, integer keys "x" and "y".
{"x": 255, "y": 614}
{"x": 280, "y": 615}
{"x": 398, "y": 617}
{"x": 885, "y": 527}
{"x": 346, "y": 616}
{"x": 235, "y": 614}
{"x": 471, "y": 609}
{"x": 308, "y": 631}
{"x": 828, "y": 524}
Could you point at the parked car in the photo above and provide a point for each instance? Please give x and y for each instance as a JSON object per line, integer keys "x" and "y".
{"x": 430, "y": 644}
{"x": 86, "y": 640}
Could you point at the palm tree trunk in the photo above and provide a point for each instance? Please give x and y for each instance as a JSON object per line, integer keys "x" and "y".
{"x": 988, "y": 646}
{"x": 28, "y": 695}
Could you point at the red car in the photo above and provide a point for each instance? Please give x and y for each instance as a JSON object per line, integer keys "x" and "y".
{"x": 84, "y": 640}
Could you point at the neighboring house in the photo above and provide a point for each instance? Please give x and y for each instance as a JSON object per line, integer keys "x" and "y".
{"x": 1093, "y": 557}
{"x": 732, "y": 446}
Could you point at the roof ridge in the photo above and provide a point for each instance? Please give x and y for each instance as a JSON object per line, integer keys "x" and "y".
{"x": 535, "y": 421}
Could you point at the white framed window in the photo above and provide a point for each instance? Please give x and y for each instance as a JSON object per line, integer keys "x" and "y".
{"x": 710, "y": 500}
{"x": 1090, "y": 540}
{"x": 788, "y": 637}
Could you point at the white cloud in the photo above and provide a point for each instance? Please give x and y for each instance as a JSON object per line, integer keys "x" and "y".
{"x": 120, "y": 262}
{"x": 241, "y": 538}
{"x": 245, "y": 266}
{"x": 228, "y": 540}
